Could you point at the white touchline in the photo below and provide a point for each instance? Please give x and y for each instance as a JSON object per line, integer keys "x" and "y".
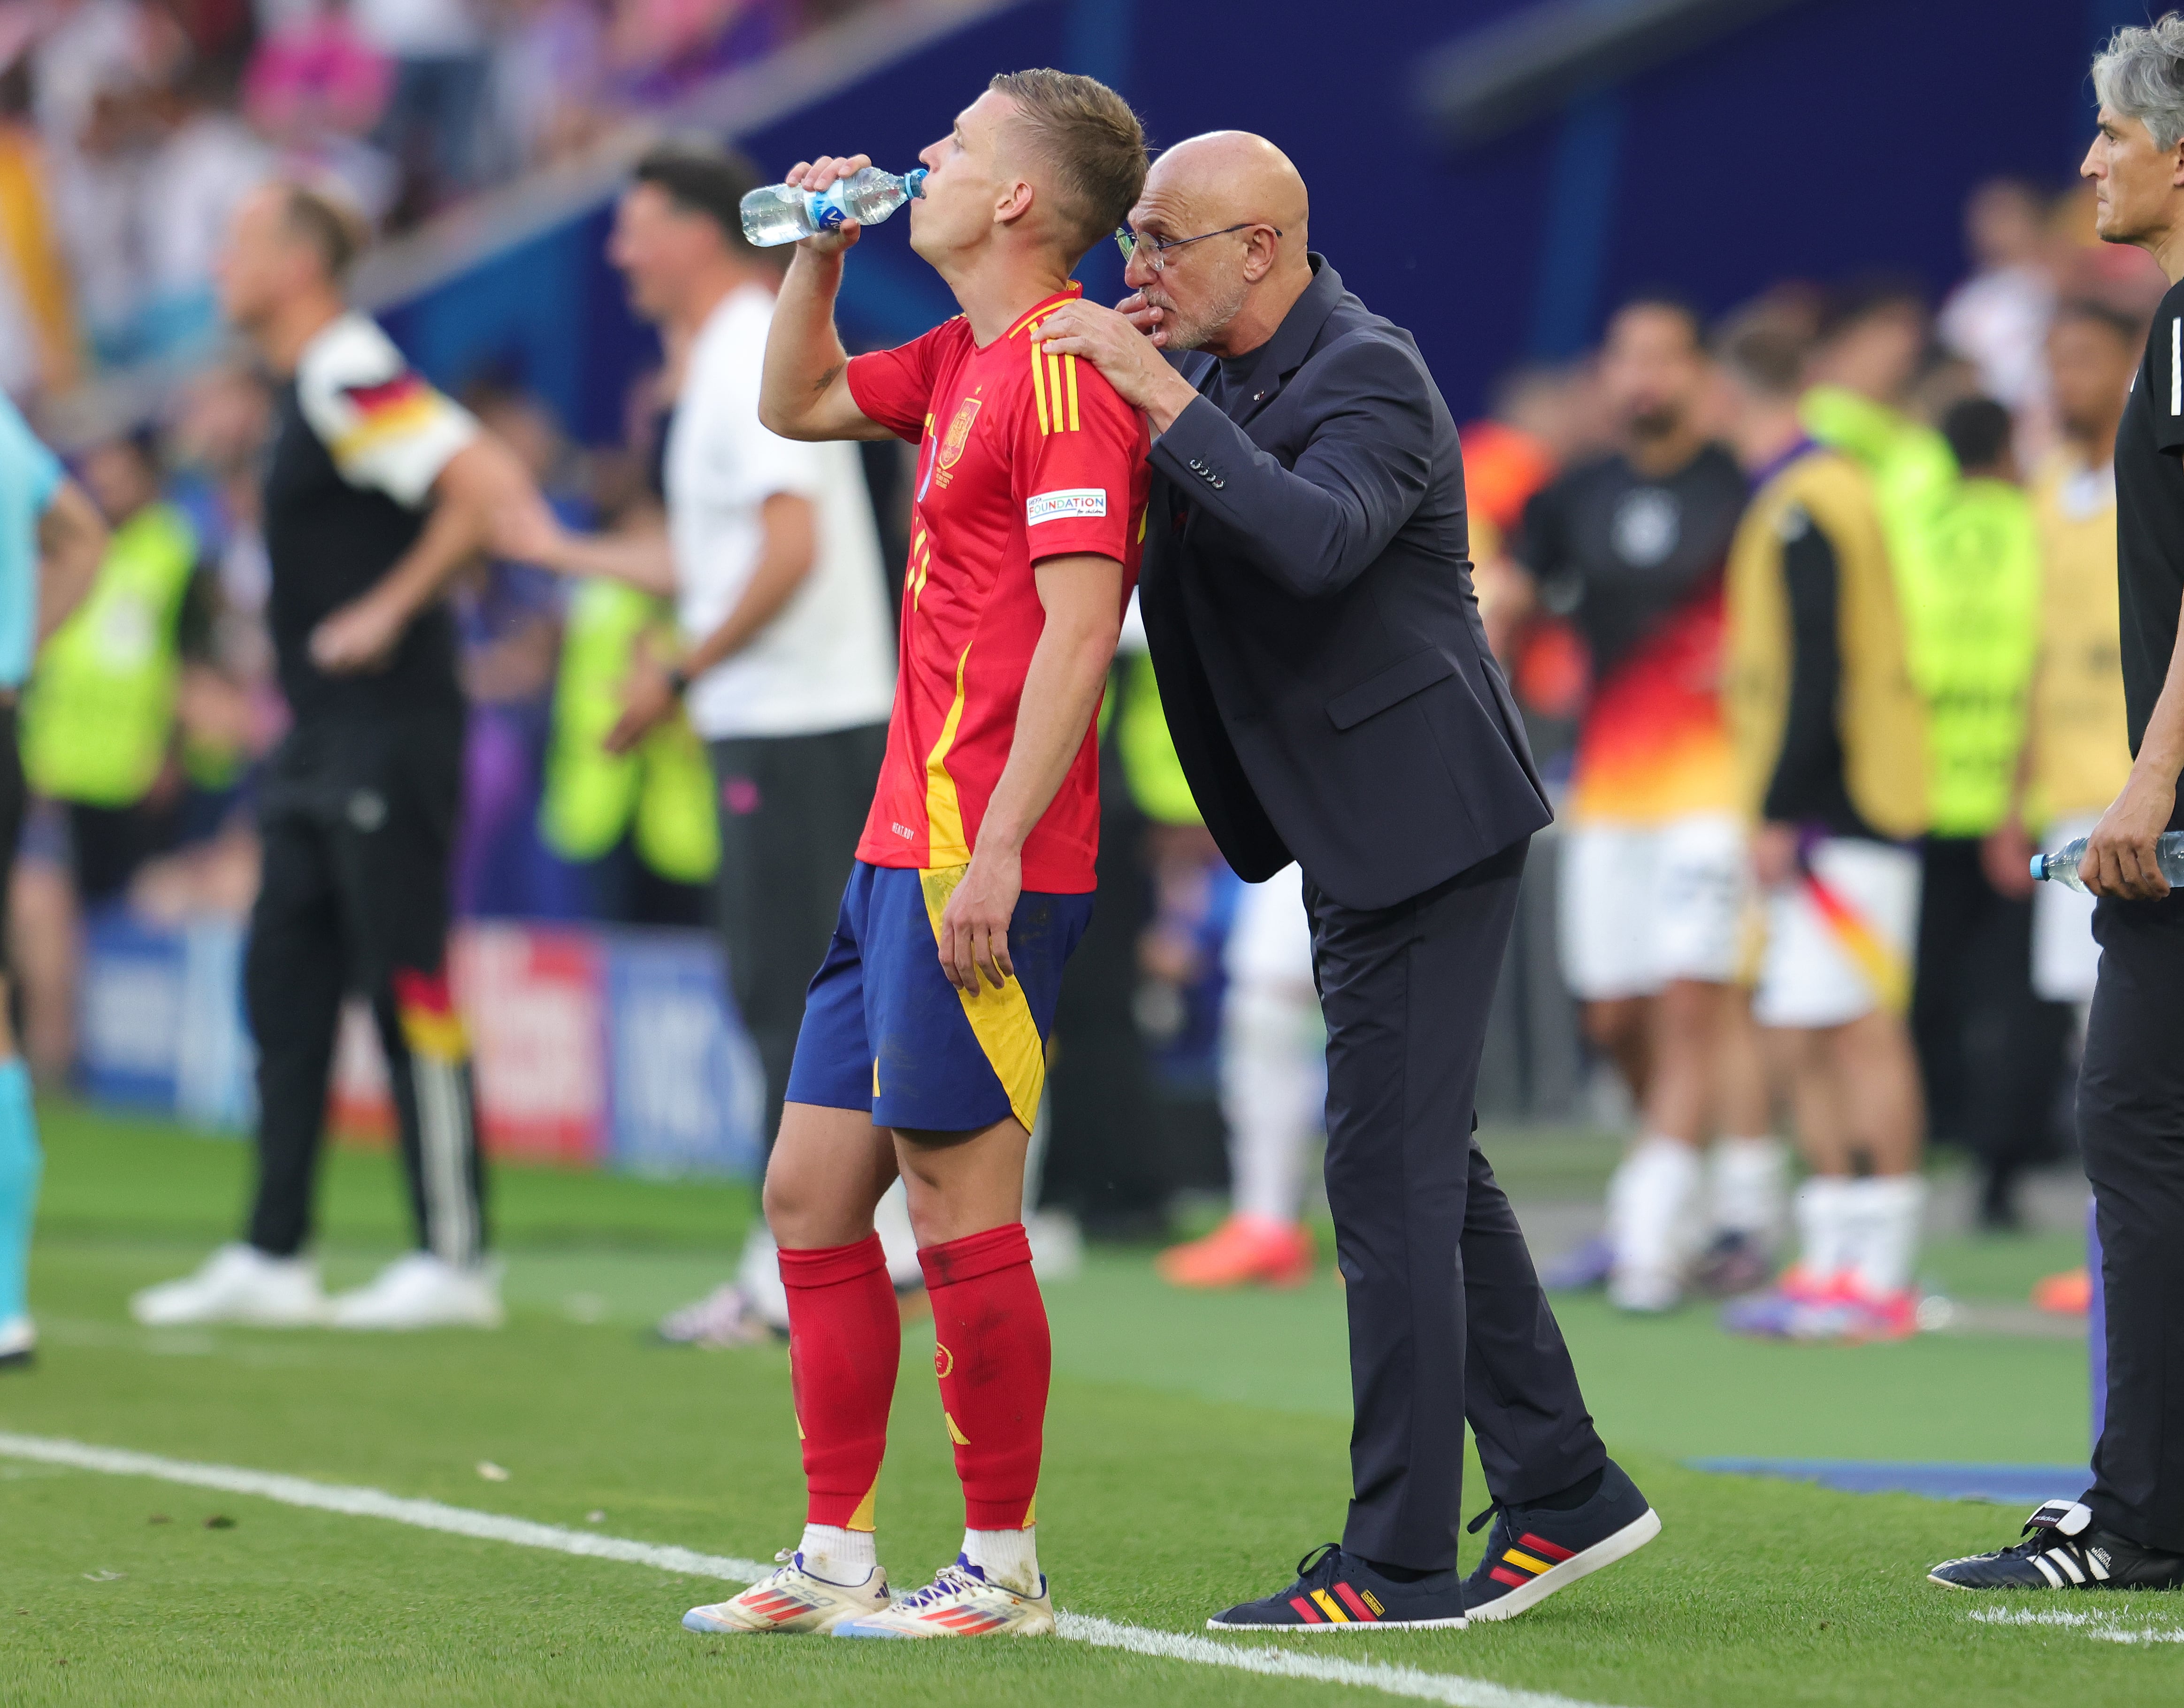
{"x": 2100, "y": 1626}
{"x": 1450, "y": 1689}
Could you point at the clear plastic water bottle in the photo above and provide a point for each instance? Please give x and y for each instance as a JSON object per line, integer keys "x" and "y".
{"x": 781, "y": 214}
{"x": 2062, "y": 867}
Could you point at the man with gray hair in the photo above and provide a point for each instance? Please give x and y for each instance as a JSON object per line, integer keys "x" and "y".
{"x": 2126, "y": 1532}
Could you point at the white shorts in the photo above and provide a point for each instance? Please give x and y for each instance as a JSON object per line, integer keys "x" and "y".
{"x": 1643, "y": 905}
{"x": 1821, "y": 971}
{"x": 1270, "y": 938}
{"x": 2065, "y": 958}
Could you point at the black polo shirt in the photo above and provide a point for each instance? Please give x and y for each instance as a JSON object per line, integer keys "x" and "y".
{"x": 2149, "y": 477}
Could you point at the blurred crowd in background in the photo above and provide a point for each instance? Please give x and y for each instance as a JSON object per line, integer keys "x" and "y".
{"x": 129, "y": 128}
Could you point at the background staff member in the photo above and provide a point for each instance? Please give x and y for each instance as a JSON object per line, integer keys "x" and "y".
{"x": 2127, "y": 1531}
{"x": 1326, "y": 676}
{"x": 51, "y": 543}
{"x": 772, "y": 558}
{"x": 378, "y": 490}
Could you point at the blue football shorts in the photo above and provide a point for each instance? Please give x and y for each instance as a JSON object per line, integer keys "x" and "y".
{"x": 884, "y": 1031}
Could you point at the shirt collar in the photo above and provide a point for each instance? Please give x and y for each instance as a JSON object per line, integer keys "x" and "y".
{"x": 1068, "y": 292}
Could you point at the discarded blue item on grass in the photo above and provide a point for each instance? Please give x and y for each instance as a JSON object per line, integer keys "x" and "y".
{"x": 2007, "y": 1485}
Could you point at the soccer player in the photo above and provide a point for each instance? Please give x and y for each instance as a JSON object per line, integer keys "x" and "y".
{"x": 1829, "y": 739}
{"x": 923, "y": 1052}
{"x": 1630, "y": 547}
{"x": 377, "y": 491}
{"x": 51, "y": 543}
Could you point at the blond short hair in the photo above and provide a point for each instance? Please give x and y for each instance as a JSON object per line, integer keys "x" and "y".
{"x": 1088, "y": 134}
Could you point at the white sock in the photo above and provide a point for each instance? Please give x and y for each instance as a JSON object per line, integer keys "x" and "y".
{"x": 1821, "y": 1208}
{"x": 759, "y": 1275}
{"x": 1009, "y": 1558}
{"x": 891, "y": 1222}
{"x": 1272, "y": 1094}
{"x": 839, "y": 1555}
{"x": 1650, "y": 1207}
{"x": 1748, "y": 1180}
{"x": 1884, "y": 1214}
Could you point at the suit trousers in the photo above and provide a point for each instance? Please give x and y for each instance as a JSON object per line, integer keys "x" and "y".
{"x": 2130, "y": 1129}
{"x": 1447, "y": 1319}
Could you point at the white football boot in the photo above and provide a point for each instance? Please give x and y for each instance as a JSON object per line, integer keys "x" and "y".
{"x": 422, "y": 1291}
{"x": 19, "y": 1339}
{"x": 791, "y": 1600}
{"x": 237, "y": 1284}
{"x": 961, "y": 1601}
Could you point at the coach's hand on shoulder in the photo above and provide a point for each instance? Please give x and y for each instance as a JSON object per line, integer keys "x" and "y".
{"x": 1113, "y": 344}
{"x": 974, "y": 927}
{"x": 360, "y": 637}
{"x": 823, "y": 174}
{"x": 2121, "y": 860}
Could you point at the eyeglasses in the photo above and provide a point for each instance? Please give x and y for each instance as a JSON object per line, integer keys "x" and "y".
{"x": 1130, "y": 242}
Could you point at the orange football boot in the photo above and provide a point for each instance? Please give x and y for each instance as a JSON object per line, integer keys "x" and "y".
{"x": 2068, "y": 1295}
{"x": 1244, "y": 1251}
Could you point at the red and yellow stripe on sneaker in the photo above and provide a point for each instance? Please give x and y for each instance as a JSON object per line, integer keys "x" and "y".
{"x": 1531, "y": 1556}
{"x": 1340, "y": 1603}
{"x": 791, "y": 1601}
{"x": 960, "y": 1601}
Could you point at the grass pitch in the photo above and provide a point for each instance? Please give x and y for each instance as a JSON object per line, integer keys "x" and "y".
{"x": 1195, "y": 1449}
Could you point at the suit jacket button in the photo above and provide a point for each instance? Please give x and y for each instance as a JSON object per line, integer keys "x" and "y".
{"x": 1218, "y": 483}
{"x": 1198, "y": 465}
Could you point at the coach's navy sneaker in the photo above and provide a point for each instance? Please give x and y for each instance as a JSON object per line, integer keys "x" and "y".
{"x": 2063, "y": 1550}
{"x": 1336, "y": 1591}
{"x": 1533, "y": 1551}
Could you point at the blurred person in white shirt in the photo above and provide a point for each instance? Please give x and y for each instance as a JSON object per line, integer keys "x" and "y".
{"x": 1998, "y": 319}
{"x": 772, "y": 558}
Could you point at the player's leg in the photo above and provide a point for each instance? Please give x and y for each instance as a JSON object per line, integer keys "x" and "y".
{"x": 1748, "y": 1169}
{"x": 293, "y": 976}
{"x": 1836, "y": 973}
{"x": 393, "y": 844}
{"x": 20, "y": 1162}
{"x": 1273, "y": 1084}
{"x": 829, "y": 1168}
{"x": 1603, "y": 936}
{"x": 958, "y": 1076}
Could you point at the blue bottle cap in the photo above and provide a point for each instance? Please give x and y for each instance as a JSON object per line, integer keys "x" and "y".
{"x": 913, "y": 181}
{"x": 2040, "y": 866}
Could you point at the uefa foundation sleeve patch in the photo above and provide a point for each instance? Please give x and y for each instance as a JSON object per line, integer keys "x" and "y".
{"x": 1071, "y": 501}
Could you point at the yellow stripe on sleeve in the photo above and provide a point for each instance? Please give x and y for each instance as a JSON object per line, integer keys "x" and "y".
{"x": 1038, "y": 389}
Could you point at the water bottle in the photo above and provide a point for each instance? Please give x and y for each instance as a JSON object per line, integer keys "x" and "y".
{"x": 2062, "y": 867}
{"x": 780, "y": 214}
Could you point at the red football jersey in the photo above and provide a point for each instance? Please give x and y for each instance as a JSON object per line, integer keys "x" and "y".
{"x": 1022, "y": 455}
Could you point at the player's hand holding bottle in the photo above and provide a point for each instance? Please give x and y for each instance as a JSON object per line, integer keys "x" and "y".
{"x": 819, "y": 176}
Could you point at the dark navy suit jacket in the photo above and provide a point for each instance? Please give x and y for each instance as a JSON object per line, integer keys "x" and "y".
{"x": 1306, "y": 593}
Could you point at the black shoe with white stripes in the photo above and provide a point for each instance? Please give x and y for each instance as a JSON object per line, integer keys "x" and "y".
{"x": 2063, "y": 1550}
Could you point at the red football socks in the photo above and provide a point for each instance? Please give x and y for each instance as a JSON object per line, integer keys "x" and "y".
{"x": 844, "y": 1343}
{"x": 995, "y": 1361}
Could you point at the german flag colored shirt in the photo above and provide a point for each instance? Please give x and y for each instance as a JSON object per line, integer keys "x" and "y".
{"x": 1024, "y": 455}
{"x": 360, "y": 439}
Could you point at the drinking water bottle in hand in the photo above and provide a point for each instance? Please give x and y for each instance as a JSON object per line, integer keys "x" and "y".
{"x": 2062, "y": 867}
{"x": 780, "y": 213}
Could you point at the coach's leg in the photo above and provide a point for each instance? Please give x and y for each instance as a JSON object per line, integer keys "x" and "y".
{"x": 1406, "y": 991}
{"x": 2131, "y": 1122}
{"x": 1521, "y": 1396}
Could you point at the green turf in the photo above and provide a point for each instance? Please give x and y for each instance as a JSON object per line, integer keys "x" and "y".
{"x": 1195, "y": 1447}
